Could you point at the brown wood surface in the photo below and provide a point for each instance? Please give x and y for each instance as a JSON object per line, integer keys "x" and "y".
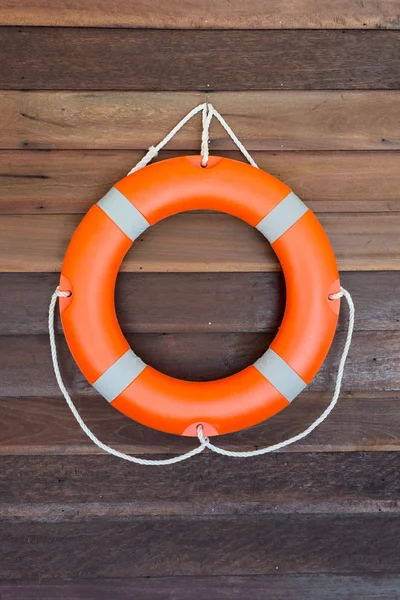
{"x": 372, "y": 366}
{"x": 256, "y": 587}
{"x": 45, "y": 426}
{"x": 313, "y": 92}
{"x": 118, "y": 546}
{"x": 257, "y": 14}
{"x": 123, "y": 59}
{"x": 37, "y": 243}
{"x": 263, "y": 120}
{"x": 197, "y": 302}
{"x": 312, "y": 482}
{"x": 69, "y": 181}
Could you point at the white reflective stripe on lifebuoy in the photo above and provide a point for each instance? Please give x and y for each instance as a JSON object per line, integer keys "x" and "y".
{"x": 282, "y": 217}
{"x": 123, "y": 213}
{"x": 121, "y": 374}
{"x": 280, "y": 375}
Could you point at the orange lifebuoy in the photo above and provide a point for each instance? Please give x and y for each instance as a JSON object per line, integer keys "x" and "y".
{"x": 90, "y": 270}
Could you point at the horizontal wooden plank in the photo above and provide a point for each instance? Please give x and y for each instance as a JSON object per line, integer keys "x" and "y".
{"x": 128, "y": 59}
{"x": 196, "y": 242}
{"x": 311, "y": 120}
{"x": 71, "y": 181}
{"x": 196, "y": 302}
{"x": 313, "y": 482}
{"x": 256, "y": 587}
{"x": 254, "y": 14}
{"x": 42, "y": 426}
{"x": 372, "y": 364}
{"x": 220, "y": 545}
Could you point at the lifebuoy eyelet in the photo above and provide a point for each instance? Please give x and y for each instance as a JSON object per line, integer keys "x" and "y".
{"x": 335, "y": 296}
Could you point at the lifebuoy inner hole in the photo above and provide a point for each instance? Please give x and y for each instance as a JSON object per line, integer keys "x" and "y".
{"x": 198, "y": 326}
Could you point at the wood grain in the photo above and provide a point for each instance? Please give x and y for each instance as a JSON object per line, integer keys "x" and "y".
{"x": 312, "y": 482}
{"x": 71, "y": 181}
{"x": 45, "y": 426}
{"x": 372, "y": 365}
{"x": 200, "y": 242}
{"x": 311, "y": 120}
{"x": 166, "y": 60}
{"x": 220, "y": 545}
{"x": 256, "y": 587}
{"x": 254, "y": 14}
{"x": 197, "y": 302}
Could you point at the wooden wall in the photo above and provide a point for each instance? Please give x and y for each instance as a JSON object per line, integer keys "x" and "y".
{"x": 312, "y": 89}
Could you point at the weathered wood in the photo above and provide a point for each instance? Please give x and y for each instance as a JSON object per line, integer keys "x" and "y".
{"x": 372, "y": 365}
{"x": 224, "y": 544}
{"x": 70, "y": 182}
{"x": 254, "y": 14}
{"x": 123, "y": 59}
{"x": 46, "y": 426}
{"x": 312, "y": 482}
{"x": 196, "y": 302}
{"x": 323, "y": 120}
{"x": 256, "y": 587}
{"x": 195, "y": 242}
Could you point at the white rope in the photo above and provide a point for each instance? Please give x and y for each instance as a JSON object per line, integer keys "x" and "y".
{"x": 245, "y": 454}
{"x": 81, "y": 423}
{"x": 208, "y": 112}
{"x": 204, "y": 441}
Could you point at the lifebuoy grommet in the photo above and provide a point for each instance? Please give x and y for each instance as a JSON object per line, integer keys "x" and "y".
{"x": 90, "y": 270}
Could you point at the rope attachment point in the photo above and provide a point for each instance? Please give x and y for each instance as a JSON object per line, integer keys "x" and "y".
{"x": 208, "y": 112}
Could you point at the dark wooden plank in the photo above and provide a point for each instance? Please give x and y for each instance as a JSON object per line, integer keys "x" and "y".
{"x": 70, "y": 182}
{"x": 256, "y": 587}
{"x": 311, "y": 120}
{"x": 255, "y": 14}
{"x": 196, "y": 302}
{"x": 123, "y": 59}
{"x": 311, "y": 482}
{"x": 201, "y": 242}
{"x": 372, "y": 365}
{"x": 199, "y": 545}
{"x": 46, "y": 426}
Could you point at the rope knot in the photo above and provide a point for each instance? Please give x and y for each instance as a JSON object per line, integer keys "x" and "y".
{"x": 61, "y": 294}
{"x": 203, "y": 439}
{"x": 337, "y": 295}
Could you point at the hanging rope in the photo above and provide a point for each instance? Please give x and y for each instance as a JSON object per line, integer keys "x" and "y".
{"x": 208, "y": 112}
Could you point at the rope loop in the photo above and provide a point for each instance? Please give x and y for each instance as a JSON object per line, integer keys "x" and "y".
{"x": 204, "y": 440}
{"x": 208, "y": 112}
